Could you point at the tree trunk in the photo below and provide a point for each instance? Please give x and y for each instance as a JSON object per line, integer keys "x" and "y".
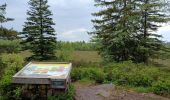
{"x": 145, "y": 21}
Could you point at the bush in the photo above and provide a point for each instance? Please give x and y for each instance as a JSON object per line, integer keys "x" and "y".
{"x": 64, "y": 55}
{"x": 14, "y": 59}
{"x": 76, "y": 74}
{"x": 96, "y": 74}
{"x": 10, "y": 46}
{"x": 141, "y": 77}
{"x": 162, "y": 87}
{"x": 64, "y": 52}
{"x": 67, "y": 96}
{"x": 12, "y": 63}
{"x": 128, "y": 73}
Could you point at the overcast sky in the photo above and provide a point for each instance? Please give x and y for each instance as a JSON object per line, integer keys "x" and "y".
{"x": 72, "y": 18}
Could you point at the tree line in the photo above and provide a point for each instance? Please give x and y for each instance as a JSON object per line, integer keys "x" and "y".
{"x": 77, "y": 46}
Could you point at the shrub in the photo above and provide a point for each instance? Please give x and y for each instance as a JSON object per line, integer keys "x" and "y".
{"x": 162, "y": 87}
{"x": 64, "y": 55}
{"x": 10, "y": 46}
{"x": 64, "y": 52}
{"x": 131, "y": 74}
{"x": 96, "y": 74}
{"x": 12, "y": 63}
{"x": 14, "y": 59}
{"x": 76, "y": 74}
{"x": 67, "y": 96}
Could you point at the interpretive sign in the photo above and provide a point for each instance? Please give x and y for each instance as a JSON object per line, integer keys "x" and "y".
{"x": 44, "y": 73}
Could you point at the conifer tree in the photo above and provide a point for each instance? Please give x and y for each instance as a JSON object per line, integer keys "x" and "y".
{"x": 2, "y": 9}
{"x": 3, "y": 18}
{"x": 115, "y": 29}
{"x": 3, "y": 31}
{"x": 38, "y": 34}
{"x": 152, "y": 17}
{"x": 125, "y": 28}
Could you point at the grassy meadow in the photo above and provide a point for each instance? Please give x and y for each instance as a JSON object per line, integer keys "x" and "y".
{"x": 75, "y": 56}
{"x": 94, "y": 57}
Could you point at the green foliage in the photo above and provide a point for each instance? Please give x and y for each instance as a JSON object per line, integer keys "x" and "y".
{"x": 65, "y": 52}
{"x": 125, "y": 29}
{"x": 10, "y": 46}
{"x": 14, "y": 59}
{"x": 138, "y": 75}
{"x": 162, "y": 87}
{"x": 67, "y": 96}
{"x": 165, "y": 54}
{"x": 96, "y": 74}
{"x": 142, "y": 89}
{"x": 85, "y": 82}
{"x": 77, "y": 46}
{"x": 12, "y": 63}
{"x": 38, "y": 34}
{"x": 64, "y": 55}
{"x": 8, "y": 34}
{"x": 2, "y": 14}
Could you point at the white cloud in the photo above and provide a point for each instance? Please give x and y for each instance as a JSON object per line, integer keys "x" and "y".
{"x": 61, "y": 3}
{"x": 165, "y": 32}
{"x": 69, "y": 2}
{"x": 69, "y": 33}
{"x": 79, "y": 34}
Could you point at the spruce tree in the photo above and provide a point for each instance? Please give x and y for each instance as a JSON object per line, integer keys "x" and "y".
{"x": 152, "y": 16}
{"x": 38, "y": 34}
{"x": 125, "y": 28}
{"x": 3, "y": 18}
{"x": 3, "y": 31}
{"x": 115, "y": 27}
{"x": 2, "y": 8}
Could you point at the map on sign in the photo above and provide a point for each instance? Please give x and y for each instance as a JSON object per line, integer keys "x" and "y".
{"x": 46, "y": 70}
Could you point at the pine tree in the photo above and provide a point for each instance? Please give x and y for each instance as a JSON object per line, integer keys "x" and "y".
{"x": 152, "y": 17}
{"x": 116, "y": 28}
{"x": 2, "y": 15}
{"x": 8, "y": 34}
{"x": 2, "y": 12}
{"x": 38, "y": 34}
{"x": 3, "y": 31}
{"x": 125, "y": 28}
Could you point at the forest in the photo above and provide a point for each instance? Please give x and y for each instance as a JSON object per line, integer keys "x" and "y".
{"x": 125, "y": 49}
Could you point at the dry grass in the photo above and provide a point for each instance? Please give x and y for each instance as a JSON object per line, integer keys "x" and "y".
{"x": 163, "y": 64}
{"x": 86, "y": 56}
{"x": 77, "y": 56}
{"x": 25, "y": 54}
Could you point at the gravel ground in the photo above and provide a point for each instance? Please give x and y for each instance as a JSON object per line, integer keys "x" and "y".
{"x": 109, "y": 92}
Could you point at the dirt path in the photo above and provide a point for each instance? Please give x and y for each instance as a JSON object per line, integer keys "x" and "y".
{"x": 109, "y": 92}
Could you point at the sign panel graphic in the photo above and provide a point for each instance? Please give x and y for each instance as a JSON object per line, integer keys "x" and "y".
{"x": 46, "y": 70}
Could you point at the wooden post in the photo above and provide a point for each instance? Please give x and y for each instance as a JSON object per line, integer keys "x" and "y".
{"x": 46, "y": 91}
{"x": 36, "y": 91}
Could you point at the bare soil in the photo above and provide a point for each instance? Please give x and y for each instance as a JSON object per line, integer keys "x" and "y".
{"x": 110, "y": 92}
